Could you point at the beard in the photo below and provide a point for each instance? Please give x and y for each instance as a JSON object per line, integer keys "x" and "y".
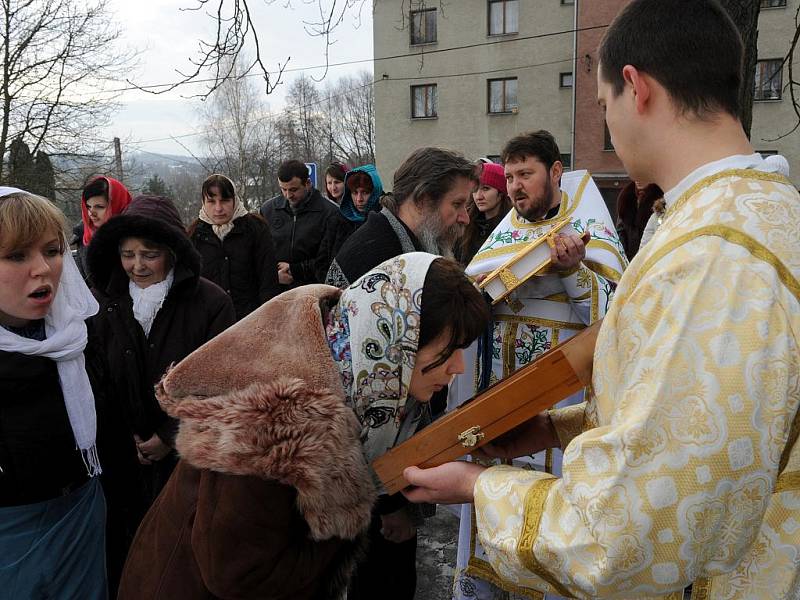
{"x": 538, "y": 206}
{"x": 435, "y": 237}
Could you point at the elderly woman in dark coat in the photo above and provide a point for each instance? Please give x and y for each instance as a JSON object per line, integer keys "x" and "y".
{"x": 272, "y": 498}
{"x": 155, "y": 309}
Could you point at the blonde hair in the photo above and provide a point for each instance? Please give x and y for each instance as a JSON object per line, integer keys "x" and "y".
{"x": 25, "y": 218}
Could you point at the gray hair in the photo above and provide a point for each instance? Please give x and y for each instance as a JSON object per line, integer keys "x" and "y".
{"x": 428, "y": 173}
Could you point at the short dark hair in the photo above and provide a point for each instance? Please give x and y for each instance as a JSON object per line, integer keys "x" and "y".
{"x": 96, "y": 187}
{"x": 359, "y": 179}
{"x": 540, "y": 145}
{"x": 450, "y": 304}
{"x": 336, "y": 170}
{"x": 691, "y": 47}
{"x": 222, "y": 183}
{"x": 291, "y": 169}
{"x": 431, "y": 173}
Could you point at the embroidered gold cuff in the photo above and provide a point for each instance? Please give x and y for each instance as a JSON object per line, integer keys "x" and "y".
{"x": 534, "y": 506}
{"x": 568, "y": 422}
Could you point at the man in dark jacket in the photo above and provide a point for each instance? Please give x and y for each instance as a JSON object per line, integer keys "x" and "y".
{"x": 427, "y": 212}
{"x": 299, "y": 219}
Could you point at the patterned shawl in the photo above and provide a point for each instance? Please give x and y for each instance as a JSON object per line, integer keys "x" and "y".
{"x": 373, "y": 332}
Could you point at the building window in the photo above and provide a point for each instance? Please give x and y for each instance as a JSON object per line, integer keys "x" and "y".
{"x": 768, "y": 80}
{"x": 423, "y": 101}
{"x": 423, "y": 26}
{"x": 607, "y": 145}
{"x": 567, "y": 1}
{"x": 503, "y": 17}
{"x": 773, "y": 3}
{"x": 503, "y": 95}
{"x": 565, "y": 80}
{"x": 566, "y": 160}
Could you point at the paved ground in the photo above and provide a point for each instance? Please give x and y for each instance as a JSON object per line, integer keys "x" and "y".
{"x": 436, "y": 556}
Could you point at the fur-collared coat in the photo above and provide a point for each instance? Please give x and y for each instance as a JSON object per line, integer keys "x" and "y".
{"x": 272, "y": 496}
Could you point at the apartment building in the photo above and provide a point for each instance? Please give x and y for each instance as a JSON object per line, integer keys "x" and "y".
{"x": 470, "y": 74}
{"x": 773, "y": 114}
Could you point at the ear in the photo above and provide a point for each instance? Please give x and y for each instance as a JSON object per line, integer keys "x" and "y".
{"x": 556, "y": 171}
{"x": 641, "y": 85}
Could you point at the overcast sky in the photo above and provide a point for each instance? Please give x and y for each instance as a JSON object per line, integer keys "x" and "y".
{"x": 167, "y": 37}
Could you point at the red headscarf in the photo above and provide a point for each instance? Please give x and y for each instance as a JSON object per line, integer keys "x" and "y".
{"x": 118, "y": 198}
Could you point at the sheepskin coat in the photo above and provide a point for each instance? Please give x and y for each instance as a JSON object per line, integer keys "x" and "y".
{"x": 272, "y": 497}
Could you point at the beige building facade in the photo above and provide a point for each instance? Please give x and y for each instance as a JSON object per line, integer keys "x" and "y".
{"x": 773, "y": 113}
{"x": 469, "y": 75}
{"x": 480, "y": 73}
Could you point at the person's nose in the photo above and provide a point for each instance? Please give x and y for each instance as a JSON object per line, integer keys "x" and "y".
{"x": 463, "y": 215}
{"x": 40, "y": 265}
{"x": 513, "y": 185}
{"x": 456, "y": 366}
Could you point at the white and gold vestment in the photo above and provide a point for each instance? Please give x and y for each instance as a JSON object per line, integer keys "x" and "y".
{"x": 681, "y": 468}
{"x": 541, "y": 313}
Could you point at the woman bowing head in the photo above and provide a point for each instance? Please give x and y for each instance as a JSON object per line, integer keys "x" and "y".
{"x": 279, "y": 416}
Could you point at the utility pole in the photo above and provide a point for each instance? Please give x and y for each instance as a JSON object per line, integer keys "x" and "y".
{"x": 118, "y": 158}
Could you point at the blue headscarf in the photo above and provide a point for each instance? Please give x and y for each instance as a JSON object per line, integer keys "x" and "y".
{"x": 347, "y": 207}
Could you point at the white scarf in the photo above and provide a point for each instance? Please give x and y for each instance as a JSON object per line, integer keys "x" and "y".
{"x": 66, "y": 340}
{"x": 148, "y": 301}
{"x": 222, "y": 230}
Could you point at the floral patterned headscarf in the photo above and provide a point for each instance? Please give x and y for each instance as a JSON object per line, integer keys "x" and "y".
{"x": 374, "y": 334}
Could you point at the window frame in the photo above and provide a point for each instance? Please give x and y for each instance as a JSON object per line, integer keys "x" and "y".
{"x": 426, "y": 12}
{"x": 768, "y": 4}
{"x": 505, "y": 3}
{"x": 506, "y": 110}
{"x": 759, "y": 91}
{"x": 433, "y": 97}
{"x": 561, "y": 76}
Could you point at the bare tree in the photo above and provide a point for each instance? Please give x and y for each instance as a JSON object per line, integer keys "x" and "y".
{"x": 352, "y": 123}
{"x": 185, "y": 185}
{"x": 235, "y": 35}
{"x": 305, "y": 112}
{"x": 239, "y": 134}
{"x": 745, "y": 14}
{"x": 56, "y": 56}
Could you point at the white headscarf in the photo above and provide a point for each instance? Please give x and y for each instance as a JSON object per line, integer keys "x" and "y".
{"x": 66, "y": 340}
{"x": 238, "y": 211}
{"x": 148, "y": 301}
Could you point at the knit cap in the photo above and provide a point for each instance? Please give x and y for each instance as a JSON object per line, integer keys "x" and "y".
{"x": 494, "y": 176}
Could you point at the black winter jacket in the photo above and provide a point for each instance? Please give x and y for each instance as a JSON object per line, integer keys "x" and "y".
{"x": 372, "y": 243}
{"x": 484, "y": 228}
{"x": 243, "y": 264}
{"x": 38, "y": 456}
{"x": 194, "y": 311}
{"x": 298, "y": 235}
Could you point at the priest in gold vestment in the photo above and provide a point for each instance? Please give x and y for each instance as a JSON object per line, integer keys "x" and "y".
{"x": 681, "y": 468}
